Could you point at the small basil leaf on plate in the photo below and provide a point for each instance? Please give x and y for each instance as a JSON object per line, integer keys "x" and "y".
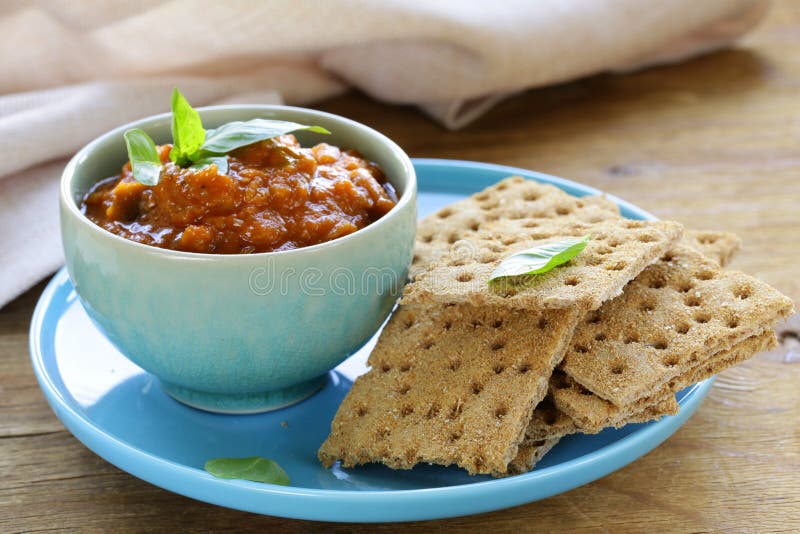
{"x": 188, "y": 133}
{"x": 233, "y": 135}
{"x": 540, "y": 259}
{"x": 144, "y": 158}
{"x": 254, "y": 468}
{"x": 220, "y": 161}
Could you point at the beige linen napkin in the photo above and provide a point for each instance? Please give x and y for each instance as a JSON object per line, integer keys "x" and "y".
{"x": 72, "y": 70}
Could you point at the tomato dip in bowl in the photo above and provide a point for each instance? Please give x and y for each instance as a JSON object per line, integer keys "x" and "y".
{"x": 240, "y": 290}
{"x": 275, "y": 195}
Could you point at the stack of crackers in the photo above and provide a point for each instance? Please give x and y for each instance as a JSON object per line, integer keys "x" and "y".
{"x": 490, "y": 378}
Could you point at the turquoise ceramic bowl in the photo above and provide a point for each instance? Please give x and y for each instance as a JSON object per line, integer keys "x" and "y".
{"x": 240, "y": 333}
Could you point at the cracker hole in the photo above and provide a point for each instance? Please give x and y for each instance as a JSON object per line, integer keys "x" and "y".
{"x": 603, "y": 251}
{"x": 474, "y": 226}
{"x": 670, "y": 361}
{"x": 361, "y": 411}
{"x": 456, "y": 409}
{"x": 616, "y": 266}
{"x": 411, "y": 456}
{"x": 482, "y": 196}
{"x": 385, "y": 368}
{"x": 406, "y": 367}
{"x": 686, "y": 287}
{"x": 452, "y": 238}
{"x": 476, "y": 388}
{"x": 489, "y": 205}
{"x": 454, "y": 365}
{"x": 464, "y": 277}
{"x": 415, "y": 259}
{"x": 647, "y": 306}
{"x": 594, "y": 318}
{"x": 732, "y": 322}
{"x": 668, "y": 257}
{"x": 702, "y": 318}
{"x": 656, "y": 284}
{"x": 458, "y": 262}
{"x": 617, "y": 369}
{"x": 497, "y": 323}
{"x": 683, "y": 328}
{"x": 600, "y": 337}
{"x": 705, "y": 275}
{"x": 660, "y": 345}
{"x": 454, "y": 436}
{"x": 406, "y": 410}
{"x": 524, "y": 368}
{"x": 531, "y": 196}
{"x": 692, "y": 301}
{"x": 404, "y": 389}
{"x": 563, "y": 210}
{"x": 614, "y": 243}
{"x": 646, "y": 238}
{"x": 433, "y": 411}
{"x": 498, "y": 345}
{"x": 631, "y": 338}
{"x": 632, "y": 224}
{"x": 476, "y": 323}
{"x": 428, "y": 345}
{"x": 509, "y": 240}
{"x": 447, "y": 325}
{"x": 498, "y": 369}
{"x": 445, "y": 213}
{"x": 743, "y": 292}
{"x": 408, "y": 323}
{"x": 382, "y": 433}
{"x": 543, "y": 323}
{"x": 572, "y": 281}
{"x": 500, "y": 411}
{"x": 581, "y": 349}
{"x": 530, "y": 224}
{"x": 502, "y": 187}
{"x": 707, "y": 239}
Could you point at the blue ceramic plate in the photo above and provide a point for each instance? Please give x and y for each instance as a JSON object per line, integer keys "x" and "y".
{"x": 121, "y": 413}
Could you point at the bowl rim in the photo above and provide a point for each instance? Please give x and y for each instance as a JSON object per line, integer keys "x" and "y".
{"x": 69, "y": 204}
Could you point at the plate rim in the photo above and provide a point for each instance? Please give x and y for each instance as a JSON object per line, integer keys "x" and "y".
{"x": 490, "y": 494}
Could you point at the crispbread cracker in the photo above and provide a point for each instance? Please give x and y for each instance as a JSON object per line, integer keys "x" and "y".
{"x": 591, "y": 414}
{"x": 525, "y": 201}
{"x": 617, "y": 252}
{"x": 667, "y": 319}
{"x": 529, "y": 454}
{"x": 451, "y": 385}
{"x": 728, "y": 358}
{"x": 718, "y": 246}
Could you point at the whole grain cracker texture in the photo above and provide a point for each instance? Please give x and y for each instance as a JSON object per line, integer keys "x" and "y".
{"x": 718, "y": 246}
{"x": 679, "y": 311}
{"x": 454, "y": 385}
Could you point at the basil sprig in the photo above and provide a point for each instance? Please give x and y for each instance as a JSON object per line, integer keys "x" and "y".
{"x": 255, "y": 468}
{"x": 539, "y": 260}
{"x": 194, "y": 147}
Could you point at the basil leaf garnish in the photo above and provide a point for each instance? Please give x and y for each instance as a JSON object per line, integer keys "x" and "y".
{"x": 233, "y": 135}
{"x": 540, "y": 259}
{"x": 255, "y": 468}
{"x": 220, "y": 161}
{"x": 188, "y": 133}
{"x": 193, "y": 146}
{"x": 144, "y": 158}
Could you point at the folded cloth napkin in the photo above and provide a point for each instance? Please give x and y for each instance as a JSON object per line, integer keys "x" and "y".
{"x": 72, "y": 70}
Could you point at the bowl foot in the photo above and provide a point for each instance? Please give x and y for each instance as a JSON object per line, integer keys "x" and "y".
{"x": 244, "y": 403}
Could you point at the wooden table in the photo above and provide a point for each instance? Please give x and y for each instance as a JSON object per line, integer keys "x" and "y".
{"x": 714, "y": 143}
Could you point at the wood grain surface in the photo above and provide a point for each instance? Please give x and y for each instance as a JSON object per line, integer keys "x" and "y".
{"x": 714, "y": 143}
